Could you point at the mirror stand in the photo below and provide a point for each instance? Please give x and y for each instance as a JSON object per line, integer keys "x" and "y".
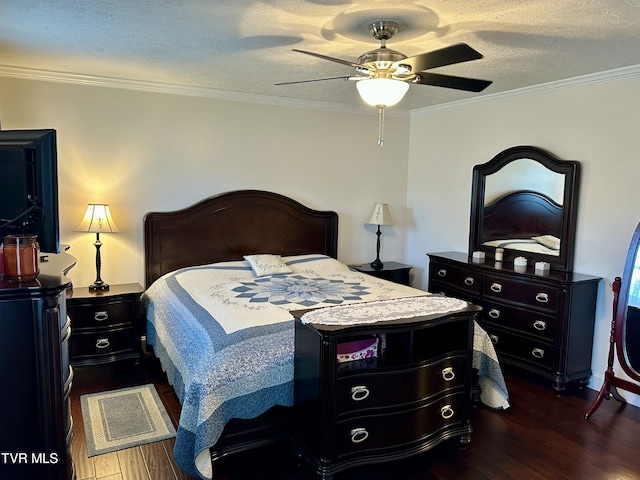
{"x": 611, "y": 383}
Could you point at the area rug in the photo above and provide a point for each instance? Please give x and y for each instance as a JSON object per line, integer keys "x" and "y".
{"x": 124, "y": 418}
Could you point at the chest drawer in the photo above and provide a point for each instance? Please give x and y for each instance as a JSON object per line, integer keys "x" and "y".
{"x": 359, "y": 393}
{"x": 357, "y": 435}
{"x": 529, "y": 350}
{"x": 526, "y": 293}
{"x": 102, "y": 314}
{"x": 526, "y": 321}
{"x": 103, "y": 343}
{"x": 457, "y": 277}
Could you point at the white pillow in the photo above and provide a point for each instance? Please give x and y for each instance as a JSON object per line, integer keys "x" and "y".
{"x": 548, "y": 241}
{"x": 267, "y": 264}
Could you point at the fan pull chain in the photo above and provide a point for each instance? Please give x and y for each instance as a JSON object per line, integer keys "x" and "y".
{"x": 381, "y": 125}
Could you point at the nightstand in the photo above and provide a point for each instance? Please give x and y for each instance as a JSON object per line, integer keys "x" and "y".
{"x": 393, "y": 271}
{"x": 105, "y": 325}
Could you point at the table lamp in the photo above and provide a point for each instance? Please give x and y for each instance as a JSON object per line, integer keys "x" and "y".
{"x": 97, "y": 219}
{"x": 379, "y": 216}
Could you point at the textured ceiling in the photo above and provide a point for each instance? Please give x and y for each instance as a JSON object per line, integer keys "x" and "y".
{"x": 245, "y": 46}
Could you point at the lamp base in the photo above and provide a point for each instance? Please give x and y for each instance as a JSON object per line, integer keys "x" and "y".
{"x": 377, "y": 264}
{"x": 98, "y": 286}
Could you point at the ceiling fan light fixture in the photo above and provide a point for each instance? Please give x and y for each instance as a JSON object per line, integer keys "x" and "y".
{"x": 382, "y": 92}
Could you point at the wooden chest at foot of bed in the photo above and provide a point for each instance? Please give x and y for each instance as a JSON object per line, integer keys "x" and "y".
{"x": 414, "y": 394}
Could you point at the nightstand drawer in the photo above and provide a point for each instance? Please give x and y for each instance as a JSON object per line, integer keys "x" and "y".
{"x": 357, "y": 435}
{"x": 370, "y": 391}
{"x": 102, "y": 314}
{"x": 103, "y": 343}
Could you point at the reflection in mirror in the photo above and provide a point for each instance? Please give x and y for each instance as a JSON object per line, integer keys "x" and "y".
{"x": 525, "y": 201}
{"x": 631, "y": 332}
{"x": 625, "y": 331}
{"x": 524, "y": 174}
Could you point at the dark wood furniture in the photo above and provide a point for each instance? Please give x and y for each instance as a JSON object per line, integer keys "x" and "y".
{"x": 542, "y": 322}
{"x": 393, "y": 271}
{"x": 504, "y": 203}
{"x": 36, "y": 427}
{"x": 226, "y": 227}
{"x": 106, "y": 324}
{"x": 625, "y": 331}
{"x": 415, "y": 394}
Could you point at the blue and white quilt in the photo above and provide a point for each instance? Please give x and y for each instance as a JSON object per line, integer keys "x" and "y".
{"x": 226, "y": 338}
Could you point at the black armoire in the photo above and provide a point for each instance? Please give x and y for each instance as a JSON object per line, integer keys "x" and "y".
{"x": 35, "y": 375}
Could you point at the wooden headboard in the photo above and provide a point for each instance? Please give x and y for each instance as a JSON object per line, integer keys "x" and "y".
{"x": 521, "y": 214}
{"x": 229, "y": 225}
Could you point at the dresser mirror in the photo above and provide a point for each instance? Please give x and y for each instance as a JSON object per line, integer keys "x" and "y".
{"x": 625, "y": 330}
{"x": 525, "y": 201}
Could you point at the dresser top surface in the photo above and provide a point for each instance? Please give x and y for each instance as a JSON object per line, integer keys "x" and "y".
{"x": 491, "y": 267}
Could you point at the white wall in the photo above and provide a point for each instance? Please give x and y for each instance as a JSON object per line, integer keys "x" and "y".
{"x": 595, "y": 123}
{"x": 141, "y": 151}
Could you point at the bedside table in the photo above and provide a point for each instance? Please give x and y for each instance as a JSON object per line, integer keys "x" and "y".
{"x": 105, "y": 325}
{"x": 393, "y": 271}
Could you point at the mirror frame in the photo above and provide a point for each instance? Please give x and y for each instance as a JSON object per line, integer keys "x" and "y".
{"x": 571, "y": 171}
{"x": 620, "y": 327}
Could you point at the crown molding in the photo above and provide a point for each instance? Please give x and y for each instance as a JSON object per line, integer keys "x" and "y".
{"x": 204, "y": 92}
{"x": 606, "y": 76}
{"x": 174, "y": 89}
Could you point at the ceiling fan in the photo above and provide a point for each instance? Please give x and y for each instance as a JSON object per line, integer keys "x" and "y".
{"x": 383, "y": 75}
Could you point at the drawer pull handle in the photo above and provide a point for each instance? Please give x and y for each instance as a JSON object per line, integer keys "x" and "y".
{"x": 359, "y": 435}
{"x": 540, "y": 325}
{"x": 496, "y": 287}
{"x": 494, "y": 339}
{"x": 494, "y": 313}
{"x": 542, "y": 297}
{"x": 442, "y": 272}
{"x": 468, "y": 281}
{"x": 359, "y": 393}
{"x": 448, "y": 374}
{"x": 101, "y": 316}
{"x": 102, "y": 343}
{"x": 446, "y": 412}
{"x": 537, "y": 352}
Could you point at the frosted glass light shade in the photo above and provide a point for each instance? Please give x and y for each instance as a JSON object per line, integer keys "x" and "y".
{"x": 383, "y": 92}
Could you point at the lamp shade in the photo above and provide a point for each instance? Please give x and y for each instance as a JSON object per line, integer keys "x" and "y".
{"x": 382, "y": 92}
{"x": 97, "y": 219}
{"x": 380, "y": 215}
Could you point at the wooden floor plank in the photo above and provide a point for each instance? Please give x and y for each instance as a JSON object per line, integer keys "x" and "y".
{"x": 157, "y": 461}
{"x": 106, "y": 464}
{"x": 133, "y": 465}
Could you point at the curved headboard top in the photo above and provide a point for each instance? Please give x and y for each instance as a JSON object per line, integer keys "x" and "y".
{"x": 521, "y": 214}
{"x": 227, "y": 226}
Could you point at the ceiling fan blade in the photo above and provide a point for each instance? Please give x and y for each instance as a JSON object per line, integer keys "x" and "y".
{"x": 344, "y": 77}
{"x": 331, "y": 59}
{"x": 445, "y": 56}
{"x": 448, "y": 81}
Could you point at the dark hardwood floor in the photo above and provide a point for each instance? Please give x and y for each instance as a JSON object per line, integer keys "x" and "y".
{"x": 541, "y": 436}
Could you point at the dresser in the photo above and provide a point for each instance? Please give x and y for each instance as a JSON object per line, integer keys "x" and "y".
{"x": 106, "y": 324}
{"x": 413, "y": 395}
{"x": 36, "y": 427}
{"x": 539, "y": 321}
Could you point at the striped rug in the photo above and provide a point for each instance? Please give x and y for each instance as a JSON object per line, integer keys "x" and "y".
{"x": 124, "y": 418}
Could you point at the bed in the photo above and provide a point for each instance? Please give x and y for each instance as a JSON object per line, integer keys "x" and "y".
{"x": 236, "y": 397}
{"x": 523, "y": 220}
